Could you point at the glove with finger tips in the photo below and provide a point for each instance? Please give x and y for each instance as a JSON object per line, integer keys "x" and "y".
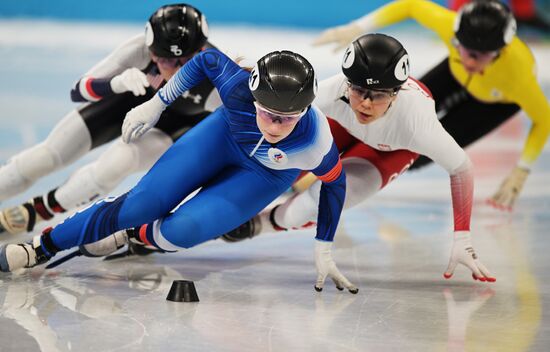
{"x": 142, "y": 118}
{"x": 463, "y": 253}
{"x": 341, "y": 35}
{"x": 327, "y": 267}
{"x": 131, "y": 80}
{"x": 510, "y": 189}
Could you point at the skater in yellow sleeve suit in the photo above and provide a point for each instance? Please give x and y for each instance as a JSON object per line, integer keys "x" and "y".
{"x": 489, "y": 75}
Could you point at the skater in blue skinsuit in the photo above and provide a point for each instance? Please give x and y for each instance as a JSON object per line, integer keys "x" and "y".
{"x": 242, "y": 156}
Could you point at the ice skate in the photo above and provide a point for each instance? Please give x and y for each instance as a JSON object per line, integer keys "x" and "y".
{"x": 249, "y": 229}
{"x": 135, "y": 248}
{"x": 27, "y": 255}
{"x": 22, "y": 218}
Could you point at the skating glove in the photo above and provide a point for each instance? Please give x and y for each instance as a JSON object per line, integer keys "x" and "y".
{"x": 131, "y": 80}
{"x": 509, "y": 190}
{"x": 326, "y": 267}
{"x": 341, "y": 35}
{"x": 142, "y": 118}
{"x": 463, "y": 253}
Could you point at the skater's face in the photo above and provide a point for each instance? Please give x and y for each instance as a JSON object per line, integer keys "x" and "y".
{"x": 475, "y": 61}
{"x": 168, "y": 66}
{"x": 276, "y": 126}
{"x": 369, "y": 105}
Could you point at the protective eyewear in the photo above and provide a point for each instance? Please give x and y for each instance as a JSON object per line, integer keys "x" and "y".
{"x": 281, "y": 117}
{"x": 376, "y": 96}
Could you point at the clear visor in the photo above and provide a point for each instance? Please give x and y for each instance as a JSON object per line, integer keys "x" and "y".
{"x": 275, "y": 116}
{"x": 376, "y": 96}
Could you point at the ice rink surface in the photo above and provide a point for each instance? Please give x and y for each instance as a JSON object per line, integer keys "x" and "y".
{"x": 258, "y": 295}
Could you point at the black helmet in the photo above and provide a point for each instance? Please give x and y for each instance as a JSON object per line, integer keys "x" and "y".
{"x": 176, "y": 30}
{"x": 283, "y": 81}
{"x": 485, "y": 25}
{"x": 376, "y": 61}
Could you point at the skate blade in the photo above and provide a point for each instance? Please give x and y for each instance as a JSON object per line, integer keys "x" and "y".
{"x": 64, "y": 259}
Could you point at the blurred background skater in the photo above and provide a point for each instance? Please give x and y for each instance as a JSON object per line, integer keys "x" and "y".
{"x": 129, "y": 76}
{"x": 525, "y": 12}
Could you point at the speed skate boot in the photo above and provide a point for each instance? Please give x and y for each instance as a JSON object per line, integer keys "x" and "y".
{"x": 24, "y": 217}
{"x": 249, "y": 229}
{"x": 261, "y": 223}
{"x": 135, "y": 246}
{"x": 109, "y": 245}
{"x": 16, "y": 220}
{"x": 253, "y": 227}
{"x": 101, "y": 248}
{"x": 105, "y": 246}
{"x": 27, "y": 255}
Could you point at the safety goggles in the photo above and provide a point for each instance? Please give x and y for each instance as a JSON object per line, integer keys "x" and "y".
{"x": 376, "y": 96}
{"x": 479, "y": 56}
{"x": 280, "y": 117}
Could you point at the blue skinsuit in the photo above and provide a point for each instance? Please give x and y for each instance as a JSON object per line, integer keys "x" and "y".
{"x": 225, "y": 154}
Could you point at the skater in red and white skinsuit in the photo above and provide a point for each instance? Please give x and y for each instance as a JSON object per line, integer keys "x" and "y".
{"x": 381, "y": 120}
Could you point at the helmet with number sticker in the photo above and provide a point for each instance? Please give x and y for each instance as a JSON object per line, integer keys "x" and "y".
{"x": 376, "y": 61}
{"x": 485, "y": 25}
{"x": 176, "y": 30}
{"x": 283, "y": 81}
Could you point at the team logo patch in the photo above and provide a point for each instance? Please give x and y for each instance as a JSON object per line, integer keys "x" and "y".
{"x": 277, "y": 156}
{"x": 371, "y": 81}
{"x": 176, "y": 50}
{"x": 149, "y": 35}
{"x": 349, "y": 57}
{"x": 254, "y": 79}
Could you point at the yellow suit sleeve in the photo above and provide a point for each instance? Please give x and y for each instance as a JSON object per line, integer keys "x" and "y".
{"x": 527, "y": 93}
{"x": 535, "y": 105}
{"x": 428, "y": 14}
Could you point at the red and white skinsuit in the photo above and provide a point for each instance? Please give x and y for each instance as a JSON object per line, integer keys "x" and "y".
{"x": 376, "y": 153}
